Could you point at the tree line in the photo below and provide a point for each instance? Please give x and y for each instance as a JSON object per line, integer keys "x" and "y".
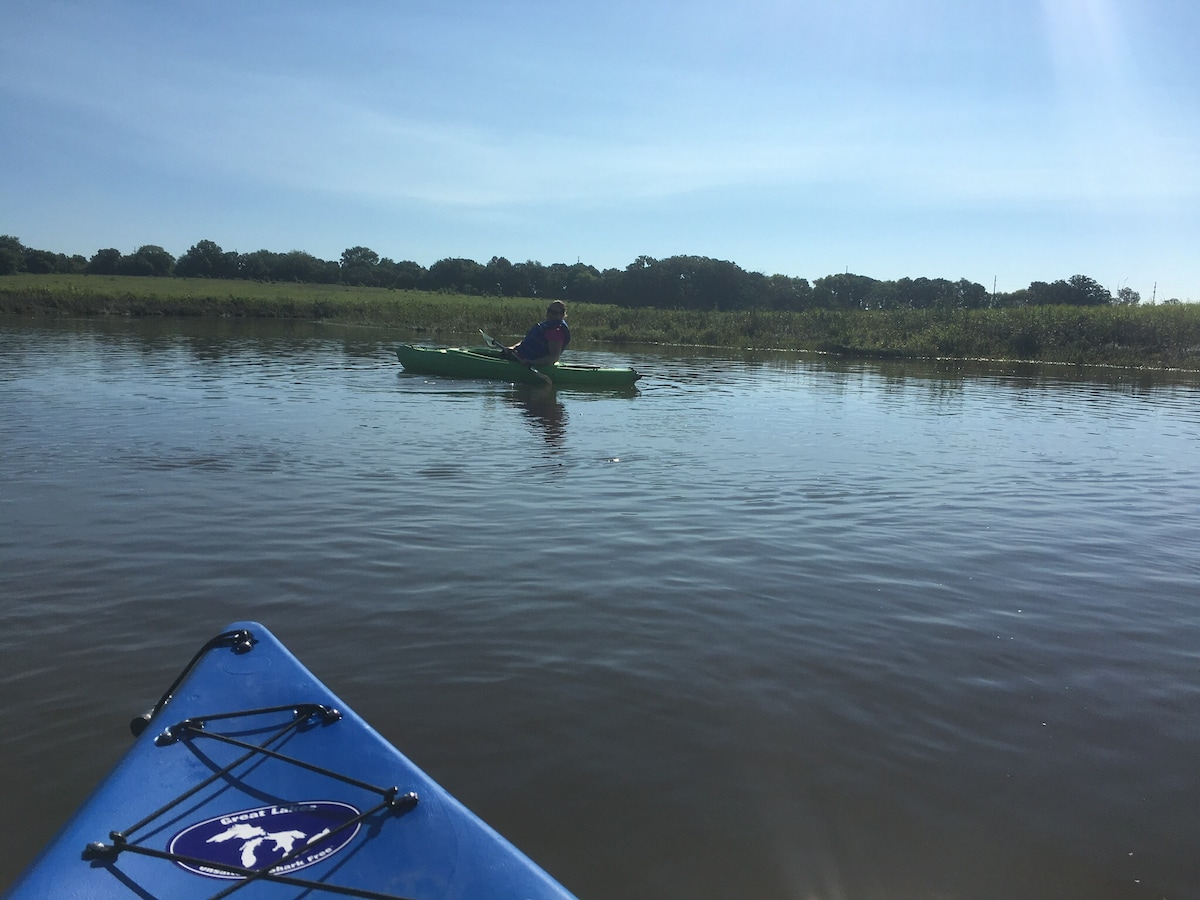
{"x": 677, "y": 282}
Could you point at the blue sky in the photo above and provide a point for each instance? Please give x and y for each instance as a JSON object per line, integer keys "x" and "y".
{"x": 1003, "y": 142}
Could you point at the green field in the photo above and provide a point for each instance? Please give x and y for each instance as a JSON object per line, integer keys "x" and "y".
{"x": 1159, "y": 337}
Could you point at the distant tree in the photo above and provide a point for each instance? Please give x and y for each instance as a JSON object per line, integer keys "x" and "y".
{"x": 359, "y": 265}
{"x": 609, "y": 288}
{"x": 971, "y": 294}
{"x": 681, "y": 282}
{"x": 939, "y": 293}
{"x": 360, "y": 256}
{"x": 1088, "y": 291}
{"x": 105, "y": 262}
{"x": 582, "y": 282}
{"x": 643, "y": 283}
{"x": 782, "y": 292}
{"x": 558, "y": 284}
{"x": 842, "y": 291}
{"x": 464, "y": 276}
{"x": 1079, "y": 290}
{"x": 530, "y": 278}
{"x": 883, "y": 295}
{"x": 405, "y": 274}
{"x": 714, "y": 283}
{"x": 40, "y": 262}
{"x": 296, "y": 265}
{"x": 916, "y": 293}
{"x": 1057, "y": 293}
{"x": 148, "y": 260}
{"x": 1128, "y": 297}
{"x": 257, "y": 266}
{"x": 231, "y": 264}
{"x": 943, "y": 294}
{"x": 205, "y": 260}
{"x": 502, "y": 272}
{"x": 12, "y": 255}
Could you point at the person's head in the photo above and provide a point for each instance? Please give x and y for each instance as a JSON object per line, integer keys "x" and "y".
{"x": 556, "y": 310}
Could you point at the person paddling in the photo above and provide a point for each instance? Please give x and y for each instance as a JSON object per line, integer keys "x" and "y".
{"x": 546, "y": 340}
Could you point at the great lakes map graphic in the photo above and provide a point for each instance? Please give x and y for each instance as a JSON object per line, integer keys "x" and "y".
{"x": 258, "y": 838}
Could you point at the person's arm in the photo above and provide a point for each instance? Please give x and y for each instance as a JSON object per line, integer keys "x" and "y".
{"x": 556, "y": 341}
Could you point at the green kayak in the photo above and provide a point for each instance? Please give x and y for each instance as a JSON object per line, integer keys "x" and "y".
{"x": 485, "y": 362}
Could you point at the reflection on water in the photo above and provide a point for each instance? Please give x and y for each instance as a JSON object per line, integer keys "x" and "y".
{"x": 871, "y": 629}
{"x": 544, "y": 411}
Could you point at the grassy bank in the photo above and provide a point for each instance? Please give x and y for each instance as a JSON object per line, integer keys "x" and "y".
{"x": 1133, "y": 336}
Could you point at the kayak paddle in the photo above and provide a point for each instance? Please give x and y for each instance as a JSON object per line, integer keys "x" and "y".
{"x": 492, "y": 342}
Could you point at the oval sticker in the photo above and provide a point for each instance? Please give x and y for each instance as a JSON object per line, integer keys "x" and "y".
{"x": 259, "y": 838}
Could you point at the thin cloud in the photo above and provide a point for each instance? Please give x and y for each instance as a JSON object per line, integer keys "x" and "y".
{"x": 738, "y": 126}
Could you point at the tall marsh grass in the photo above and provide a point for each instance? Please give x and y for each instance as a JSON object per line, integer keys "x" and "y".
{"x": 1165, "y": 336}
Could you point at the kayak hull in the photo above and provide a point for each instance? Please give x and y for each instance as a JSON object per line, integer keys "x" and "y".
{"x": 324, "y": 806}
{"x": 486, "y": 363}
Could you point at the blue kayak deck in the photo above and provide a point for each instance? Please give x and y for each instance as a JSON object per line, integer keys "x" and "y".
{"x": 252, "y": 777}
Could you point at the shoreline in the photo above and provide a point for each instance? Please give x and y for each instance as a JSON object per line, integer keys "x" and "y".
{"x": 1159, "y": 337}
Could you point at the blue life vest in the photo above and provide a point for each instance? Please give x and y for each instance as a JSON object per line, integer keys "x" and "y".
{"x": 536, "y": 343}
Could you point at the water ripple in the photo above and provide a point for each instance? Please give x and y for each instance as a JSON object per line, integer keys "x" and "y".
{"x": 874, "y": 629}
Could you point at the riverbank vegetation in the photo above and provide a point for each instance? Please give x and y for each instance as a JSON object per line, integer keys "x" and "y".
{"x": 1158, "y": 336}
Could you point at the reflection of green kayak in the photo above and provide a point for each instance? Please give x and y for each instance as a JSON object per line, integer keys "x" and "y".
{"x": 485, "y": 362}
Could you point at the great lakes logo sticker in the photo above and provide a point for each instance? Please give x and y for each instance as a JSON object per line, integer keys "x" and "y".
{"x": 259, "y": 838}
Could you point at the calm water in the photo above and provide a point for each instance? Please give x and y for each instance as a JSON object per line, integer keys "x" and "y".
{"x": 769, "y": 627}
